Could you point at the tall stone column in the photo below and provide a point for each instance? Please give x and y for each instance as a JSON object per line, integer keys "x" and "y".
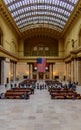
{"x": 69, "y": 71}
{"x": 5, "y": 70}
{"x": 79, "y": 70}
{"x": 31, "y": 71}
{"x": 51, "y": 71}
{"x": 72, "y": 70}
{"x": 11, "y": 69}
{"x": 75, "y": 70}
{"x": 2, "y": 72}
{"x": 14, "y": 71}
{"x": 44, "y": 76}
{"x": 66, "y": 64}
{"x": 37, "y": 75}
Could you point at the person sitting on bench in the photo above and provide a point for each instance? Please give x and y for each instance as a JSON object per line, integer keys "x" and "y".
{"x": 24, "y": 96}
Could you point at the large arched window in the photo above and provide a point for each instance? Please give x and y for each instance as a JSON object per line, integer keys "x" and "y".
{"x": 43, "y": 48}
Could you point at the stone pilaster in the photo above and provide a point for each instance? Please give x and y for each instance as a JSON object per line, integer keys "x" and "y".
{"x": 30, "y": 71}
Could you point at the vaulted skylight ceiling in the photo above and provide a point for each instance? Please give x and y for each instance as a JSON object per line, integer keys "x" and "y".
{"x": 28, "y": 13}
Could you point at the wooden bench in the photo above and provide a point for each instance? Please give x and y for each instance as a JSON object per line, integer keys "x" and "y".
{"x": 30, "y": 90}
{"x": 11, "y": 94}
{"x": 70, "y": 95}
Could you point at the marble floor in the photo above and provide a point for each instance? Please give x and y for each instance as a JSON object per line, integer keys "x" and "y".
{"x": 40, "y": 113}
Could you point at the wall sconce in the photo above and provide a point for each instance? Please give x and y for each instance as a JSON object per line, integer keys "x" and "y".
{"x": 54, "y": 73}
{"x": 27, "y": 73}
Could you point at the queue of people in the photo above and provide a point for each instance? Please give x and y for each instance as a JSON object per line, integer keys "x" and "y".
{"x": 41, "y": 86}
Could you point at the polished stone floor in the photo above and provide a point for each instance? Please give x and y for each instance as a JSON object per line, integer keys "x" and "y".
{"x": 40, "y": 113}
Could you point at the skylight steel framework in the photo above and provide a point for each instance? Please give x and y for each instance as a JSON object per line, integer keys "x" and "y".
{"x": 27, "y": 13}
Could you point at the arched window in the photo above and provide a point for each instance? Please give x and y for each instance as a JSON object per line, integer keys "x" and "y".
{"x": 41, "y": 50}
{"x": 44, "y": 47}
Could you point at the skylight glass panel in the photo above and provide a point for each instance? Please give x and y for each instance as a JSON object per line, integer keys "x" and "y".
{"x": 45, "y": 20}
{"x": 52, "y": 12}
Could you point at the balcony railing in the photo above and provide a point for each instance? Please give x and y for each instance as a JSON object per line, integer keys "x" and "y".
{"x": 41, "y": 53}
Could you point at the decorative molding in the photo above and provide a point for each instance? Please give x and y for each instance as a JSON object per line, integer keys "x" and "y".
{"x": 7, "y": 54}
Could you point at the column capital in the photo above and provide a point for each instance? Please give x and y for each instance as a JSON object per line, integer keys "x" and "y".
{"x": 52, "y": 63}
{"x": 29, "y": 63}
{"x": 67, "y": 62}
{"x": 14, "y": 62}
{"x": 72, "y": 59}
{"x": 78, "y": 58}
{"x": 2, "y": 58}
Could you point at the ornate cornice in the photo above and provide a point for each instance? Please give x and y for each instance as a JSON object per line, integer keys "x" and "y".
{"x": 14, "y": 57}
{"x": 73, "y": 55}
{"x": 5, "y": 53}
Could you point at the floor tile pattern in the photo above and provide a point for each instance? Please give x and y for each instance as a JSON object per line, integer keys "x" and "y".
{"x": 40, "y": 112}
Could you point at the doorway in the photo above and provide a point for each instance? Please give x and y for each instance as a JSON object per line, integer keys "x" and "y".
{"x": 41, "y": 76}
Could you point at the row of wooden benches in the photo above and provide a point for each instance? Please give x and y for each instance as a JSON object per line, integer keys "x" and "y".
{"x": 64, "y": 94}
{"x": 19, "y": 93}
